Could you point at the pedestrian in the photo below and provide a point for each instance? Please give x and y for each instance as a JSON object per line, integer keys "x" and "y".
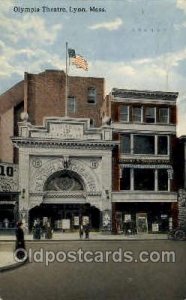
{"x": 48, "y": 230}
{"x": 20, "y": 242}
{"x": 87, "y": 231}
{"x": 37, "y": 230}
{"x": 81, "y": 231}
{"x": 6, "y": 223}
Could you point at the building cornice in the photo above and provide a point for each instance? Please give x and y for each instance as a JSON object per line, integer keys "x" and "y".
{"x": 56, "y": 143}
{"x": 136, "y": 94}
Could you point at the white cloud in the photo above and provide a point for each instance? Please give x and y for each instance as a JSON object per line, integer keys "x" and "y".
{"x": 113, "y": 25}
{"x": 181, "y": 4}
{"x": 29, "y": 28}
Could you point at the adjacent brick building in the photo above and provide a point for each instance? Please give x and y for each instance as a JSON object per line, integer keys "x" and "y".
{"x": 146, "y": 175}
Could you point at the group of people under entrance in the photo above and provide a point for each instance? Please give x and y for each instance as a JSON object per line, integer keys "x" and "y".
{"x": 40, "y": 230}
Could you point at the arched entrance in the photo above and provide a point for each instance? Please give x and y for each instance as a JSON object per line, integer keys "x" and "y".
{"x": 64, "y": 203}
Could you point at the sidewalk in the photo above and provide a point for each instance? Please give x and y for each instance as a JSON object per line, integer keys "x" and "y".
{"x": 94, "y": 236}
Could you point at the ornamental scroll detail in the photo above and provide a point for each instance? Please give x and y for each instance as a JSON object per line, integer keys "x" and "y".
{"x": 40, "y": 176}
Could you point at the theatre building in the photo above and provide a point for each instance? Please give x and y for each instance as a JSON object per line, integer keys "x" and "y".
{"x": 145, "y": 170}
{"x": 64, "y": 163}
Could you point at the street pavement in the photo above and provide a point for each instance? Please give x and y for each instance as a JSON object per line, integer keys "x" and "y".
{"x": 111, "y": 280}
{"x": 7, "y": 257}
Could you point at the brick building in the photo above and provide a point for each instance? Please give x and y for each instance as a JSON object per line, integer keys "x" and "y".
{"x": 43, "y": 95}
{"x": 146, "y": 175}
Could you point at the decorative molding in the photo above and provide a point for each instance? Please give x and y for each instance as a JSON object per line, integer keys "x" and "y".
{"x": 40, "y": 143}
{"x": 135, "y": 94}
{"x": 38, "y": 177}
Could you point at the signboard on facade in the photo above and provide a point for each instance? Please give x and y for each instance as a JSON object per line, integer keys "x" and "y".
{"x": 65, "y": 223}
{"x": 76, "y": 221}
{"x": 85, "y": 220}
{"x": 155, "y": 227}
{"x": 127, "y": 218}
{"x": 8, "y": 177}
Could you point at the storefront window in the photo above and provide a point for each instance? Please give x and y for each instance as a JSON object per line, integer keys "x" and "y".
{"x": 144, "y": 144}
{"x": 144, "y": 179}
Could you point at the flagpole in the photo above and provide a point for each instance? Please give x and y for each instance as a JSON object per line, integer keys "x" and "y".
{"x": 66, "y": 83}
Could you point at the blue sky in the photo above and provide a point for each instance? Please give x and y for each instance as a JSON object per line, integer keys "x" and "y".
{"x": 132, "y": 44}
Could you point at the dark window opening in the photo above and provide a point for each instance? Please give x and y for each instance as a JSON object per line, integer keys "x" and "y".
{"x": 144, "y": 144}
{"x": 144, "y": 179}
{"x": 162, "y": 180}
{"x": 92, "y": 123}
{"x": 125, "y": 143}
{"x": 162, "y": 145}
{"x": 125, "y": 180}
{"x": 150, "y": 115}
{"x": 91, "y": 95}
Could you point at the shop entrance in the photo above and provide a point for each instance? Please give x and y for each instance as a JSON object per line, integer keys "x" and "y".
{"x": 65, "y": 216}
{"x": 142, "y": 217}
{"x": 8, "y": 212}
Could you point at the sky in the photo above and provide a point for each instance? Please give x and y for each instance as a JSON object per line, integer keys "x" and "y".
{"x": 133, "y": 44}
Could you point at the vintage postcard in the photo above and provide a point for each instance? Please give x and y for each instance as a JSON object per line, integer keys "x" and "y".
{"x": 92, "y": 149}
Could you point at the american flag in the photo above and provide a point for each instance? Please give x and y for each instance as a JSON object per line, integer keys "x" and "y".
{"x": 80, "y": 62}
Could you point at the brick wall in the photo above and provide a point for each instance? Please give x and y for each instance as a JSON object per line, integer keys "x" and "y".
{"x": 46, "y": 96}
{"x": 12, "y": 97}
{"x": 7, "y": 130}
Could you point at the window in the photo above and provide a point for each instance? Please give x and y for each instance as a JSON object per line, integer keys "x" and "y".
{"x": 125, "y": 143}
{"x": 144, "y": 179}
{"x": 144, "y": 144}
{"x": 125, "y": 180}
{"x": 92, "y": 123}
{"x": 150, "y": 115}
{"x": 91, "y": 95}
{"x": 71, "y": 104}
{"x": 162, "y": 180}
{"x": 163, "y": 145}
{"x": 136, "y": 114}
{"x": 124, "y": 113}
{"x": 163, "y": 115}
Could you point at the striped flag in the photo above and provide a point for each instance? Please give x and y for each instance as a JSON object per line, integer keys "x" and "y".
{"x": 80, "y": 62}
